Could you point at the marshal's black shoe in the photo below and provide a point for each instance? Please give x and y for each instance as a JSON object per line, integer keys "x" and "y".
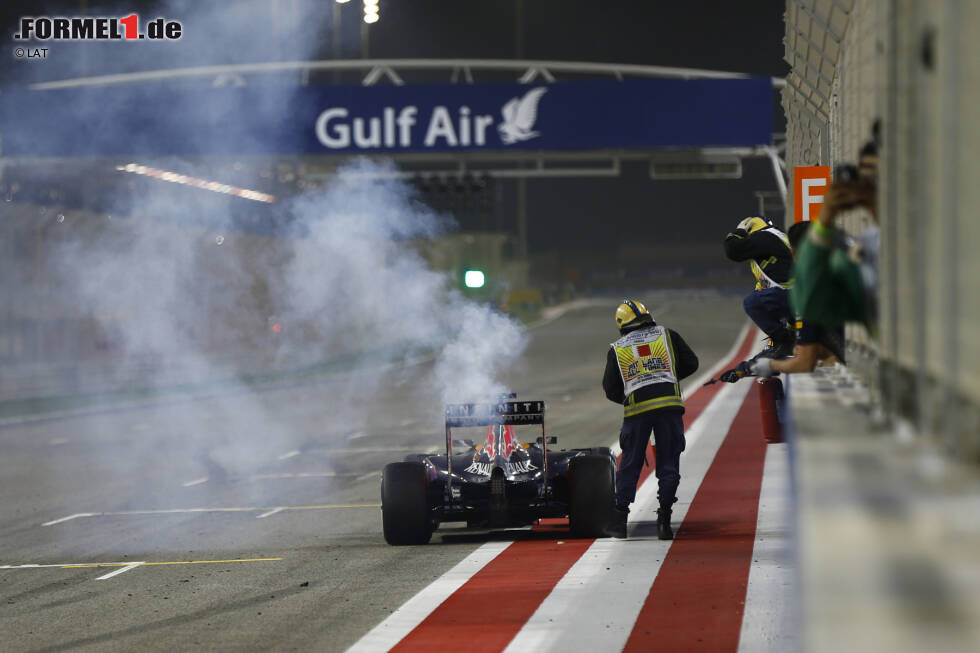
{"x": 664, "y": 532}
{"x": 779, "y": 346}
{"x": 617, "y": 523}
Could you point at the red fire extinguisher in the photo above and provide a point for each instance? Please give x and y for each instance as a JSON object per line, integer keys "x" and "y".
{"x": 770, "y": 394}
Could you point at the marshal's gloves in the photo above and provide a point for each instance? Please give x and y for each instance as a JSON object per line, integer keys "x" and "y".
{"x": 762, "y": 367}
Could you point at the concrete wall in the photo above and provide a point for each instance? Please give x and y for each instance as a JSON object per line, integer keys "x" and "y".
{"x": 914, "y": 65}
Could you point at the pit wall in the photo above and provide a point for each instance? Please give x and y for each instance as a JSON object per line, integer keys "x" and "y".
{"x": 914, "y": 66}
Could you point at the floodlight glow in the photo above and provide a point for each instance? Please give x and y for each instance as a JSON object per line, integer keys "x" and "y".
{"x": 371, "y": 18}
{"x": 342, "y": 2}
{"x": 187, "y": 180}
{"x": 474, "y": 279}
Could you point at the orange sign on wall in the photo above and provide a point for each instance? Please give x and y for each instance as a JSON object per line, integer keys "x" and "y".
{"x": 809, "y": 185}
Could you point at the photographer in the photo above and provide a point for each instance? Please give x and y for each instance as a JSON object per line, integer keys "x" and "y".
{"x": 836, "y": 275}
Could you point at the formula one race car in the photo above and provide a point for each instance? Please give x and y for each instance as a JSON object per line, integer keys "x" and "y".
{"x": 500, "y": 484}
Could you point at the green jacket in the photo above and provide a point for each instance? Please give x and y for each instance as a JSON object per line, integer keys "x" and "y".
{"x": 827, "y": 288}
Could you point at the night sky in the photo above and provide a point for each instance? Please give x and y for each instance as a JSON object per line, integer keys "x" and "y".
{"x": 576, "y": 217}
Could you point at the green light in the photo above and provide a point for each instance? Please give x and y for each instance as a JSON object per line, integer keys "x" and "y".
{"x": 474, "y": 278}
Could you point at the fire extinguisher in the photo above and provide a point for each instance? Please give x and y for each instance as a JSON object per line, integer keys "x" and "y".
{"x": 770, "y": 394}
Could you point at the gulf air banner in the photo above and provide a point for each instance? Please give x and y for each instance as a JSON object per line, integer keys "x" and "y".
{"x": 275, "y": 119}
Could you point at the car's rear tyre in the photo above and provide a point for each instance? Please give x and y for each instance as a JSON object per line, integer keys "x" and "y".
{"x": 591, "y": 495}
{"x": 404, "y": 509}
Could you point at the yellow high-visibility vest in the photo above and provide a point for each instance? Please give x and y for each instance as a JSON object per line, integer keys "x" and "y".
{"x": 645, "y": 357}
{"x": 763, "y": 280}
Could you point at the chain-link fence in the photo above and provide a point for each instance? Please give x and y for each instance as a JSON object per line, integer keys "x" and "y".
{"x": 912, "y": 67}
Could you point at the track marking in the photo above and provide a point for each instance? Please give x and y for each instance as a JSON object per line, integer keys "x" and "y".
{"x": 69, "y": 518}
{"x": 96, "y": 565}
{"x": 403, "y": 620}
{"x": 262, "y": 477}
{"x": 122, "y": 570}
{"x": 178, "y": 511}
{"x": 271, "y": 512}
{"x": 289, "y": 454}
{"x": 66, "y": 565}
{"x": 492, "y": 606}
{"x": 196, "y": 481}
{"x": 355, "y": 450}
{"x": 770, "y": 623}
{"x": 596, "y": 604}
{"x": 697, "y": 600}
{"x": 725, "y": 361}
{"x": 58, "y": 441}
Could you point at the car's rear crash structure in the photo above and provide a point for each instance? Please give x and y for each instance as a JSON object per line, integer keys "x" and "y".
{"x": 501, "y": 483}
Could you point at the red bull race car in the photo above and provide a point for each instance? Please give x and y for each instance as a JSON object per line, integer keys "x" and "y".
{"x": 501, "y": 483}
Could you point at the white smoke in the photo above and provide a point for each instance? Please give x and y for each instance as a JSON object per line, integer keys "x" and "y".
{"x": 185, "y": 296}
{"x": 361, "y": 281}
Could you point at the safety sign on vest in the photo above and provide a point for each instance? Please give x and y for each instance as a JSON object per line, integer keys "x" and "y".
{"x": 645, "y": 358}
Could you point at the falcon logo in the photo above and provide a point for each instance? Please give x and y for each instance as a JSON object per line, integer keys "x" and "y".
{"x": 520, "y": 115}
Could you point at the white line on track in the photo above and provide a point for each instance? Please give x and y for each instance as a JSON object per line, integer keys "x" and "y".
{"x": 278, "y": 475}
{"x": 769, "y": 621}
{"x": 196, "y": 481}
{"x": 403, "y": 620}
{"x": 344, "y": 450}
{"x": 119, "y": 571}
{"x": 67, "y": 565}
{"x": 720, "y": 364}
{"x": 289, "y": 454}
{"x": 271, "y": 512}
{"x": 595, "y": 605}
{"x": 180, "y": 511}
{"x": 69, "y": 518}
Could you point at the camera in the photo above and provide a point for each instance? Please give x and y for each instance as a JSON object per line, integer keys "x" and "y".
{"x": 845, "y": 173}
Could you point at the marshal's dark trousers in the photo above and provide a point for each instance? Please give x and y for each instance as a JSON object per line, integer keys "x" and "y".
{"x": 667, "y": 425}
{"x": 769, "y": 309}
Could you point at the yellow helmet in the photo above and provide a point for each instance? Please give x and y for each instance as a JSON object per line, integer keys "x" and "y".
{"x": 630, "y": 311}
{"x": 751, "y": 225}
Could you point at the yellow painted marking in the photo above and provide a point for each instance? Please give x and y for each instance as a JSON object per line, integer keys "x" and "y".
{"x": 174, "y": 562}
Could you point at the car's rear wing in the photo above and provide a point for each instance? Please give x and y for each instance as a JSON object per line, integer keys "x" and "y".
{"x": 510, "y": 413}
{"x": 507, "y": 411}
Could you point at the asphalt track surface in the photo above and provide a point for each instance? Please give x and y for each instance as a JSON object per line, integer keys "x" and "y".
{"x": 255, "y": 515}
